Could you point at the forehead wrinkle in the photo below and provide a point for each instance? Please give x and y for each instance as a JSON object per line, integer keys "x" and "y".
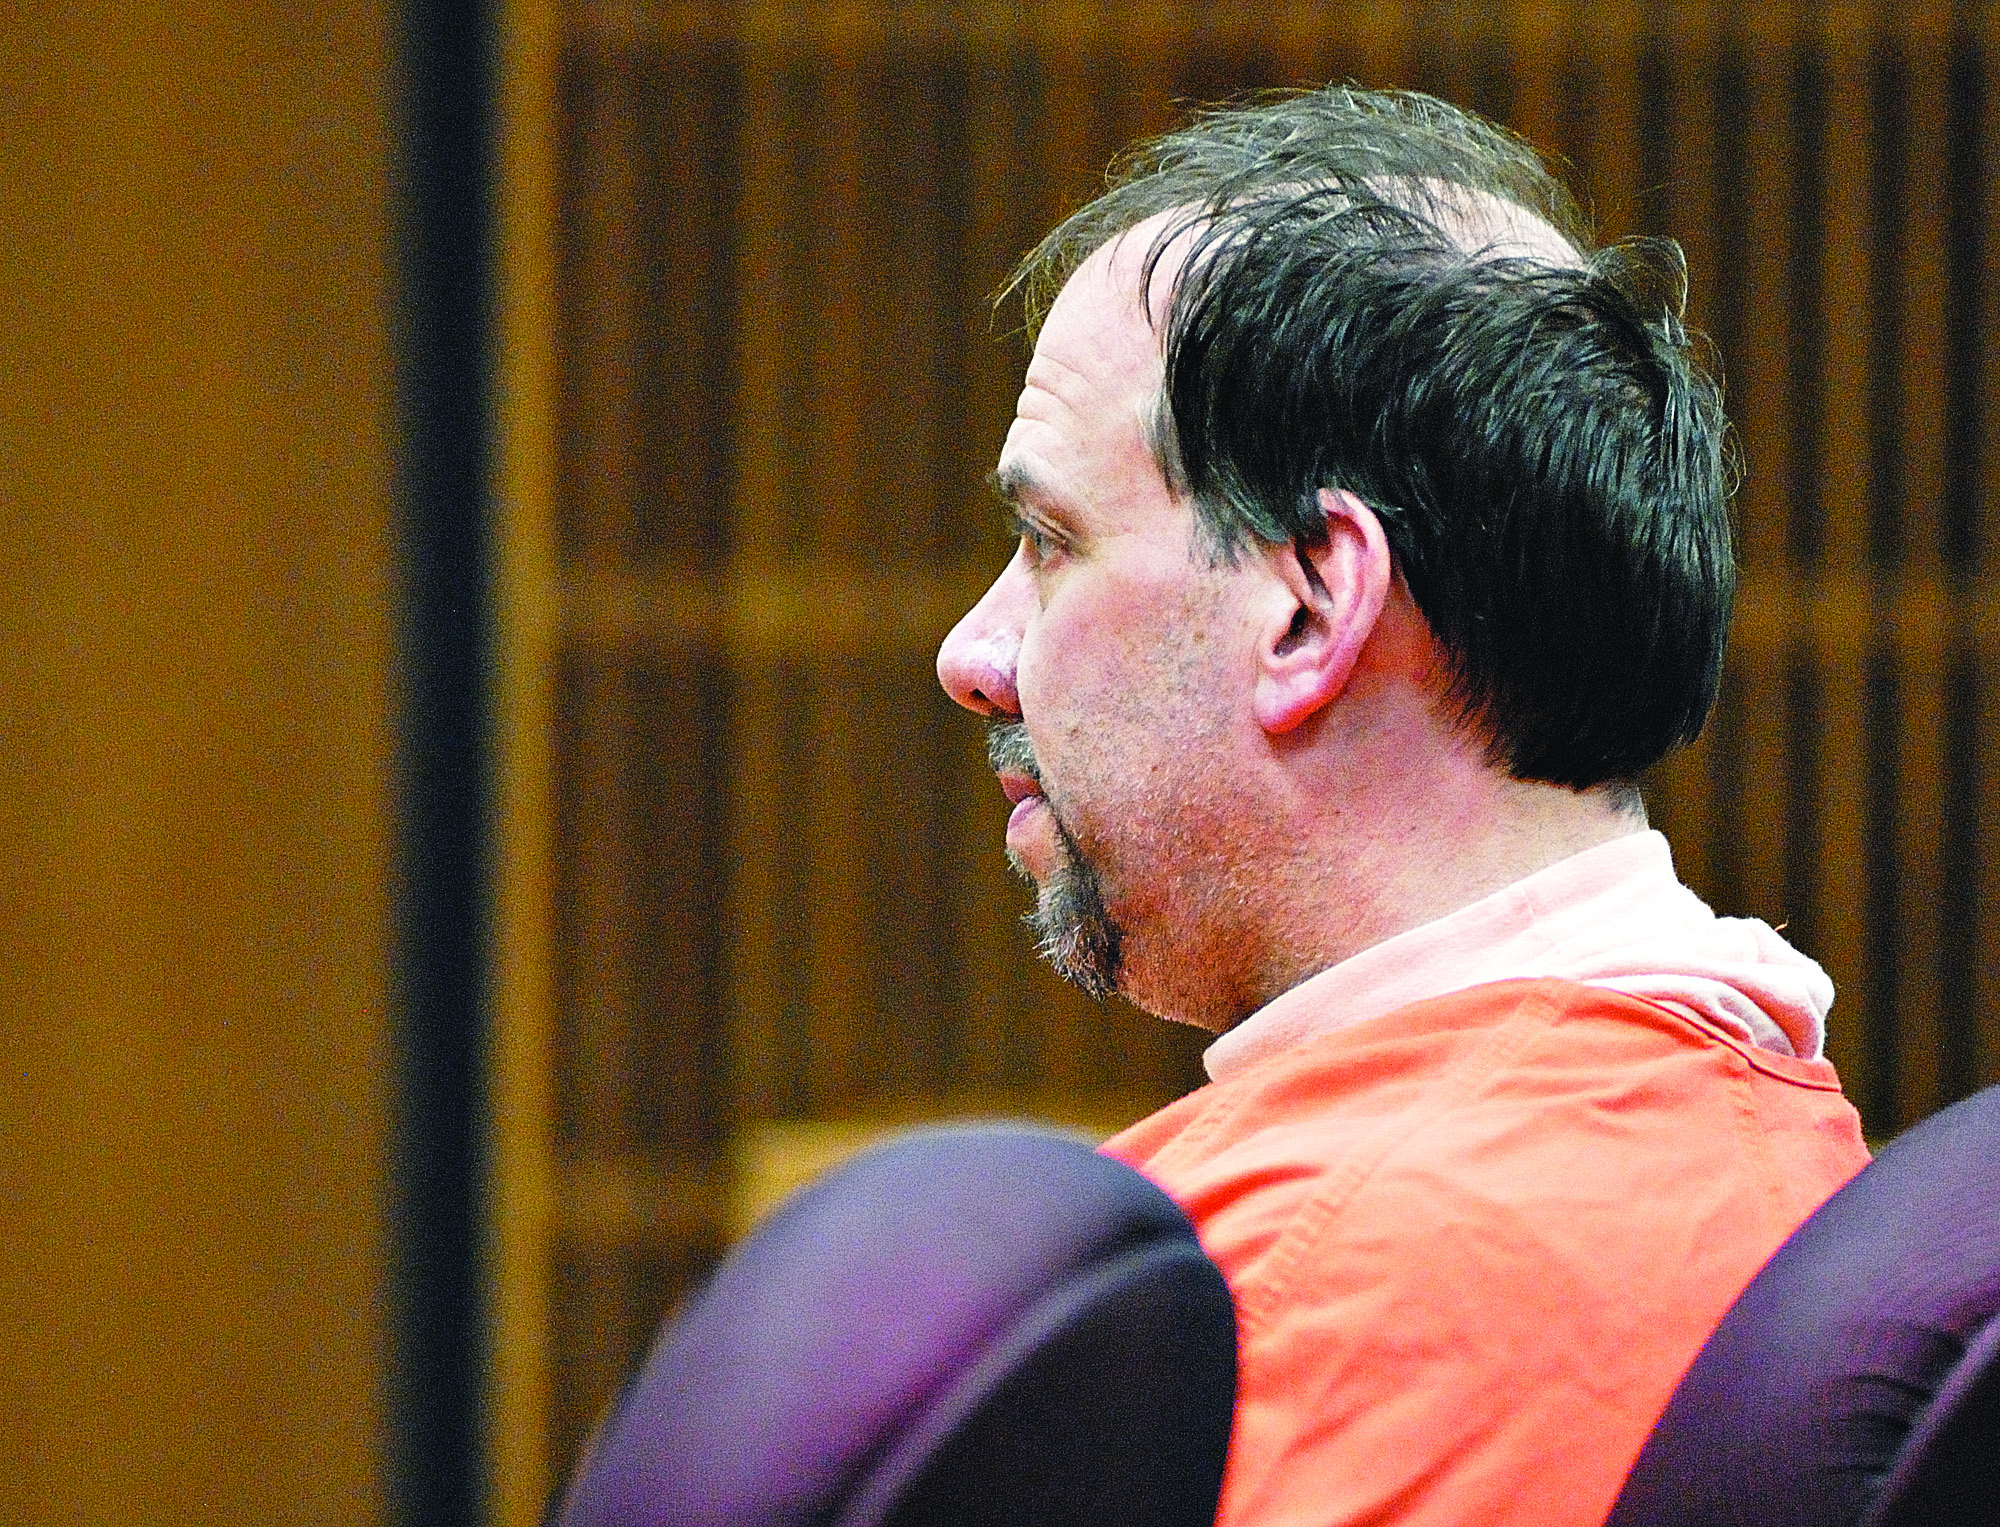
{"x": 1095, "y": 381}
{"x": 1067, "y": 384}
{"x": 1114, "y": 377}
{"x": 1103, "y": 355}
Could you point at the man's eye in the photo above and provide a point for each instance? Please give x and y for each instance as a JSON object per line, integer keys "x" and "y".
{"x": 1039, "y": 544}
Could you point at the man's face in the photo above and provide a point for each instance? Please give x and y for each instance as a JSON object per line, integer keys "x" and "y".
{"x": 1112, "y": 641}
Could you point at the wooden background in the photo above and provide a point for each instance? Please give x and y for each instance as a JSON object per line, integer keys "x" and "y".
{"x": 752, "y": 864}
{"x": 197, "y": 602}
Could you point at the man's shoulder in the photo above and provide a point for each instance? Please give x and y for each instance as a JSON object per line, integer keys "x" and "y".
{"x": 1530, "y": 1199}
{"x": 1526, "y": 1097}
{"x": 1484, "y": 1035}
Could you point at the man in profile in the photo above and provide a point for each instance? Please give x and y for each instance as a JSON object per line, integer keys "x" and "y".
{"x": 1373, "y": 541}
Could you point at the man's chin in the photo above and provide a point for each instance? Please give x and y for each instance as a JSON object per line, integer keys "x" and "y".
{"x": 1075, "y": 936}
{"x": 1073, "y": 931}
{"x": 1076, "y": 933}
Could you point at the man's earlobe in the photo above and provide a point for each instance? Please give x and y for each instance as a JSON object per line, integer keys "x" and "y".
{"x": 1333, "y": 590}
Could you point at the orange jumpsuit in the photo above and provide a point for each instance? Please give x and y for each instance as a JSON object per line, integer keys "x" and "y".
{"x": 1475, "y": 1241}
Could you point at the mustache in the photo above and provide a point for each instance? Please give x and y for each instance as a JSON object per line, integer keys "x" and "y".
{"x": 1008, "y": 750}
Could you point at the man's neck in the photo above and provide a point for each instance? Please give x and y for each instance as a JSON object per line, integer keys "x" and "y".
{"x": 1405, "y": 846}
{"x": 1462, "y": 845}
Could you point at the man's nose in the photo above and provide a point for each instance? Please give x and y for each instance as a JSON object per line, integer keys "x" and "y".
{"x": 976, "y": 663}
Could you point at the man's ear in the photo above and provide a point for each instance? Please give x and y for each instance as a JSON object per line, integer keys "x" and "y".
{"x": 1333, "y": 593}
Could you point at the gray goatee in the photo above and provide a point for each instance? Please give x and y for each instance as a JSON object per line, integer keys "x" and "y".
{"x": 1072, "y": 929}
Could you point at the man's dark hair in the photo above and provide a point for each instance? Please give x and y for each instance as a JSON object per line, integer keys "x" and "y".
{"x": 1540, "y": 437}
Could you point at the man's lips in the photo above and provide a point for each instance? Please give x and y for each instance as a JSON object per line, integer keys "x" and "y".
{"x": 1018, "y": 787}
{"x": 1026, "y": 795}
{"x": 1012, "y": 758}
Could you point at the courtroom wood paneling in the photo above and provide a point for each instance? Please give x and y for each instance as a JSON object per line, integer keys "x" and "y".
{"x": 197, "y": 764}
{"x": 779, "y": 899}
{"x": 609, "y": 1298}
{"x": 641, "y": 805}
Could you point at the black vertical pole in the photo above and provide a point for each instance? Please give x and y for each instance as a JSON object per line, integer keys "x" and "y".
{"x": 444, "y": 219}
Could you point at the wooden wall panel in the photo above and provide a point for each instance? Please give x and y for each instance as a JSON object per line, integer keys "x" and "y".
{"x": 599, "y": 276}
{"x": 1980, "y": 752}
{"x": 1833, "y": 425}
{"x": 1765, "y": 171}
{"x": 1975, "y": 320}
{"x": 197, "y": 764}
{"x": 781, "y": 903}
{"x": 766, "y": 451}
{"x": 1912, "y": 95}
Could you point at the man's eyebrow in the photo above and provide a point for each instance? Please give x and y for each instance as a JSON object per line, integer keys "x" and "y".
{"x": 1016, "y": 488}
{"x": 1011, "y": 482}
